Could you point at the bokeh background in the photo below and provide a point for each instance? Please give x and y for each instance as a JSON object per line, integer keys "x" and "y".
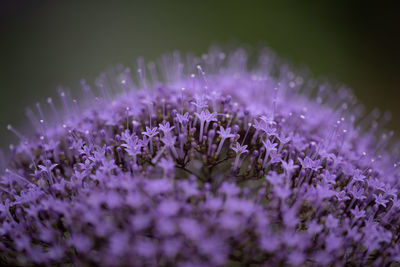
{"x": 44, "y": 44}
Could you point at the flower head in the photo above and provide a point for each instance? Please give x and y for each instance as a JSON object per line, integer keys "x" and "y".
{"x": 238, "y": 168}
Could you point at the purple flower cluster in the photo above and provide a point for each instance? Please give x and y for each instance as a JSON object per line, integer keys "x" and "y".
{"x": 249, "y": 166}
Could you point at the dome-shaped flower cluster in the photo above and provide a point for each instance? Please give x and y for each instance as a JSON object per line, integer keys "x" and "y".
{"x": 249, "y": 166}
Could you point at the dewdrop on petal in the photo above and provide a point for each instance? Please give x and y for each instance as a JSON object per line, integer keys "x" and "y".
{"x": 202, "y": 161}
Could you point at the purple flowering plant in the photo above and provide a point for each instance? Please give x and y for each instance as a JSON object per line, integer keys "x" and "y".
{"x": 203, "y": 161}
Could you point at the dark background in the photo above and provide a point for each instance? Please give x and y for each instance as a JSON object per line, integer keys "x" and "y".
{"x": 44, "y": 44}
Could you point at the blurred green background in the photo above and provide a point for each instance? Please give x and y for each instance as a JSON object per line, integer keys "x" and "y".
{"x": 44, "y": 44}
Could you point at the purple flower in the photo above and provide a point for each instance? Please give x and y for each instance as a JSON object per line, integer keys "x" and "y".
{"x": 205, "y": 117}
{"x": 166, "y": 128}
{"x": 289, "y": 167}
{"x": 224, "y": 134}
{"x": 379, "y": 200}
{"x": 183, "y": 119}
{"x": 308, "y": 163}
{"x": 150, "y": 133}
{"x": 269, "y": 147}
{"x": 358, "y": 193}
{"x": 133, "y": 147}
{"x": 342, "y": 196}
{"x": 357, "y": 213}
{"x": 239, "y": 167}
{"x": 358, "y": 176}
{"x": 268, "y": 119}
{"x": 48, "y": 167}
{"x": 239, "y": 150}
